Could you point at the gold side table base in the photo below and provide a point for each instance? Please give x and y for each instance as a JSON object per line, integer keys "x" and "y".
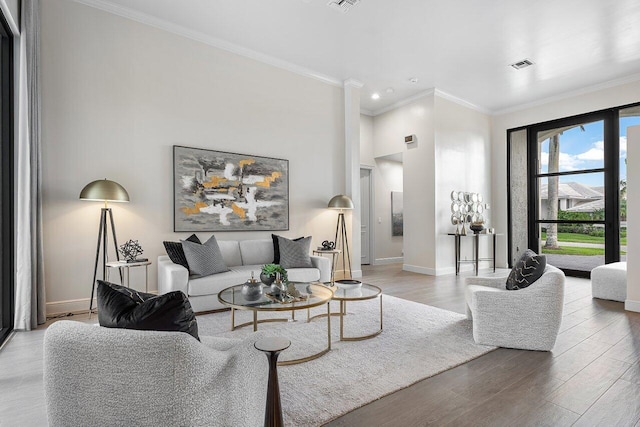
{"x": 360, "y": 338}
{"x": 293, "y": 361}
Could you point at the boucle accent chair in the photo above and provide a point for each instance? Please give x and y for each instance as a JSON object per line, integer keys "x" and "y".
{"x": 122, "y": 377}
{"x": 527, "y": 318}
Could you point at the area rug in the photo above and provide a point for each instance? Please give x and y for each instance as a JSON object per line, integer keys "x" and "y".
{"x": 418, "y": 341}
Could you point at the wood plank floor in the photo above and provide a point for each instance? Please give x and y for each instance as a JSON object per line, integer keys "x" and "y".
{"x": 592, "y": 376}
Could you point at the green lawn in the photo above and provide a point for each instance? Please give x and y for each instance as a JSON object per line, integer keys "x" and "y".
{"x": 571, "y": 250}
{"x": 583, "y": 238}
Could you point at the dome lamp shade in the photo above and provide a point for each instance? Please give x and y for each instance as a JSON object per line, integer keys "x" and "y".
{"x": 340, "y": 202}
{"x": 104, "y": 190}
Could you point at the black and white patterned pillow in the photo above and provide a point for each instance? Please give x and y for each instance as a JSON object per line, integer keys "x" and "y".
{"x": 276, "y": 247}
{"x": 205, "y": 259}
{"x": 527, "y": 270}
{"x": 175, "y": 252}
{"x": 295, "y": 253}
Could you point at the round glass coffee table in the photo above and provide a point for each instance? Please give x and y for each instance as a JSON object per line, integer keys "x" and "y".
{"x": 312, "y": 295}
{"x": 344, "y": 294}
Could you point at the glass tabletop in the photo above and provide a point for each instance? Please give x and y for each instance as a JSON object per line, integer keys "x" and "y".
{"x": 311, "y": 295}
{"x": 366, "y": 291}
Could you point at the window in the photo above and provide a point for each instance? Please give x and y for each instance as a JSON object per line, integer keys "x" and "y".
{"x": 575, "y": 186}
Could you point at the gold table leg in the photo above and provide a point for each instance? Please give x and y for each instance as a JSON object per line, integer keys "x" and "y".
{"x": 321, "y": 353}
{"x": 360, "y": 338}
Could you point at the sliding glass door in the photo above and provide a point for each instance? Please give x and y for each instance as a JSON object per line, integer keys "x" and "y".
{"x": 572, "y": 196}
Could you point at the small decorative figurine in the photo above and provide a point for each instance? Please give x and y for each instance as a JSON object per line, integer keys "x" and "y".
{"x": 130, "y": 251}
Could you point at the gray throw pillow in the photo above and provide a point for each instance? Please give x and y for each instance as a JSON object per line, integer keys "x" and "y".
{"x": 295, "y": 253}
{"x": 527, "y": 270}
{"x": 205, "y": 259}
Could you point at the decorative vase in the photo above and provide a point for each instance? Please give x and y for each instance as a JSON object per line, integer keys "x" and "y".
{"x": 476, "y": 227}
{"x": 267, "y": 280}
{"x": 252, "y": 291}
{"x": 277, "y": 289}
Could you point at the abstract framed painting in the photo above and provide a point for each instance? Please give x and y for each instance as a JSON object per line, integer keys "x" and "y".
{"x": 397, "y": 213}
{"x": 220, "y": 191}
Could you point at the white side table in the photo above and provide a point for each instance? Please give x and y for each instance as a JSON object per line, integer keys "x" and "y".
{"x": 334, "y": 253}
{"x": 128, "y": 266}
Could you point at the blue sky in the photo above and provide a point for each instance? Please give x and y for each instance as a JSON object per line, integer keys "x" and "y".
{"x": 585, "y": 150}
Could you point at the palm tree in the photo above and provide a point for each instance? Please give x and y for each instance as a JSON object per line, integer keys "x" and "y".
{"x": 552, "y": 191}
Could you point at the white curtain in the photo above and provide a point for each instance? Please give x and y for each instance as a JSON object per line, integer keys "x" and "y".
{"x": 30, "y": 294}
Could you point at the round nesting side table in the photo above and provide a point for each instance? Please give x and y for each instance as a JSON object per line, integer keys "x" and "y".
{"x": 360, "y": 293}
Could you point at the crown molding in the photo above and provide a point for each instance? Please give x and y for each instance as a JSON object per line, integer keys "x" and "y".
{"x": 162, "y": 24}
{"x": 462, "y": 102}
{"x": 350, "y": 82}
{"x": 366, "y": 112}
{"x": 403, "y": 102}
{"x": 566, "y": 95}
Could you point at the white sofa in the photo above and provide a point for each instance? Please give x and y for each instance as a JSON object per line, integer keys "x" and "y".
{"x": 242, "y": 257}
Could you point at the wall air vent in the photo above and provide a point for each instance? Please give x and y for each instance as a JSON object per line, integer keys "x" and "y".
{"x": 342, "y": 5}
{"x": 521, "y": 64}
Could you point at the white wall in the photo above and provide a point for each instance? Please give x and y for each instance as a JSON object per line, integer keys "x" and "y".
{"x": 462, "y": 163}
{"x": 389, "y": 130}
{"x": 117, "y": 95}
{"x": 579, "y": 104}
{"x": 388, "y": 178}
{"x": 633, "y": 214}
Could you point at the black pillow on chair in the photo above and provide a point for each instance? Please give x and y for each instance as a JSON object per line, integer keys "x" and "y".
{"x": 121, "y": 307}
{"x": 176, "y": 253}
{"x": 527, "y": 270}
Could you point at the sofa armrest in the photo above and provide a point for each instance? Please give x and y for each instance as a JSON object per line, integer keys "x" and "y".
{"x": 324, "y": 265}
{"x": 172, "y": 277}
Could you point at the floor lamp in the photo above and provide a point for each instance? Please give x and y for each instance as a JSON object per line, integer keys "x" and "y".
{"x": 104, "y": 191}
{"x": 342, "y": 202}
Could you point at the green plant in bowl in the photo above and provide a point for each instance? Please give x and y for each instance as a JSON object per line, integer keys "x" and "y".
{"x": 268, "y": 274}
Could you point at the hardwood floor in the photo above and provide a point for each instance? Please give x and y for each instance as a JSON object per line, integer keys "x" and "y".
{"x": 592, "y": 376}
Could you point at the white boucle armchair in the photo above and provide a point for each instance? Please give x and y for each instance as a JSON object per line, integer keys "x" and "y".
{"x": 95, "y": 376}
{"x": 527, "y": 318}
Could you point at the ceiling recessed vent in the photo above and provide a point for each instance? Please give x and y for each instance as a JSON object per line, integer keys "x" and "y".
{"x": 521, "y": 64}
{"x": 342, "y": 5}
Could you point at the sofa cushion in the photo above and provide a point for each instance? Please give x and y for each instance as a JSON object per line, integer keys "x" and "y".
{"x": 211, "y": 285}
{"x": 527, "y": 270}
{"x": 230, "y": 250}
{"x": 276, "y": 247}
{"x": 256, "y": 252}
{"x": 205, "y": 259}
{"x": 121, "y": 307}
{"x": 176, "y": 253}
{"x": 295, "y": 254}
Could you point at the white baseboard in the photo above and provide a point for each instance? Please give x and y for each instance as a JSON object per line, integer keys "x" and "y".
{"x": 418, "y": 269}
{"x": 393, "y": 260}
{"x": 631, "y": 305}
{"x": 435, "y": 271}
{"x": 356, "y": 274}
{"x": 75, "y": 306}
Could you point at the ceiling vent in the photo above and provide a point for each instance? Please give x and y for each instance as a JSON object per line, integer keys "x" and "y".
{"x": 521, "y": 64}
{"x": 342, "y": 5}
